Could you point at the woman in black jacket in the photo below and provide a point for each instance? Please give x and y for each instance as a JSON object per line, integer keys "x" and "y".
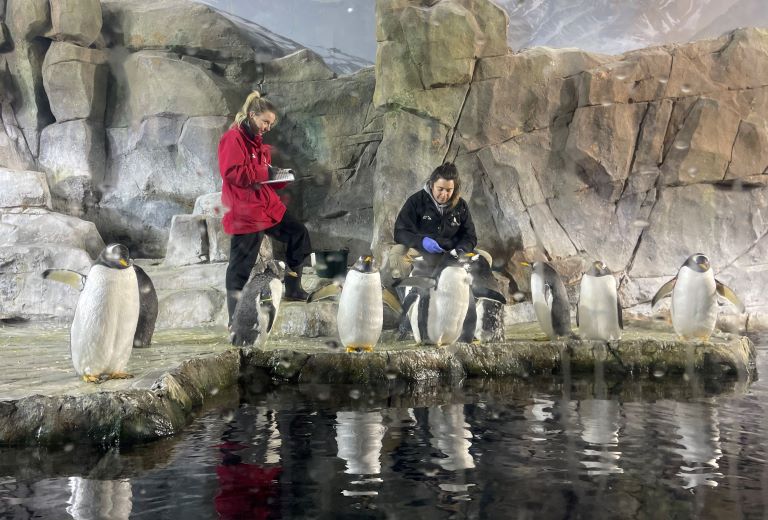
{"x": 433, "y": 221}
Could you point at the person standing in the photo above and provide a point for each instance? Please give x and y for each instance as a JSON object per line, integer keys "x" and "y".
{"x": 254, "y": 208}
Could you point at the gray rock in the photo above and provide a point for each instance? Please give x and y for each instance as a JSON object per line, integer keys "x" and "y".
{"x": 219, "y": 242}
{"x": 302, "y": 65}
{"x": 190, "y": 308}
{"x": 72, "y": 155}
{"x": 28, "y": 19}
{"x": 75, "y": 81}
{"x": 45, "y": 227}
{"x": 197, "y": 147}
{"x": 209, "y": 205}
{"x": 188, "y": 241}
{"x": 77, "y": 21}
{"x": 309, "y": 320}
{"x": 23, "y": 291}
{"x": 23, "y": 189}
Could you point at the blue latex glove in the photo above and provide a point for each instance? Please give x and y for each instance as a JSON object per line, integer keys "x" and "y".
{"x": 430, "y": 246}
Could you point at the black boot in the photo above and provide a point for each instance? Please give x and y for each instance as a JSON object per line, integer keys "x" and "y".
{"x": 293, "y": 289}
{"x": 232, "y": 298}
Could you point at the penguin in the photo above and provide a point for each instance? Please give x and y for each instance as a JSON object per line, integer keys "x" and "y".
{"x": 598, "y": 313}
{"x": 106, "y": 316}
{"x": 485, "y": 312}
{"x": 148, "y": 303}
{"x": 258, "y": 305}
{"x": 360, "y": 315}
{"x": 694, "y": 298}
{"x": 550, "y": 300}
{"x": 437, "y": 306}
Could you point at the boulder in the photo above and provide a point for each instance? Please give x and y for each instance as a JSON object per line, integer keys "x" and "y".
{"x": 198, "y": 144}
{"x": 75, "y": 81}
{"x": 23, "y": 189}
{"x": 150, "y": 87}
{"x": 73, "y": 156}
{"x": 27, "y": 19}
{"x": 209, "y": 205}
{"x": 188, "y": 241}
{"x": 76, "y": 21}
{"x": 190, "y": 308}
{"x": 25, "y": 294}
{"x": 299, "y": 66}
{"x": 308, "y": 320}
{"x": 45, "y": 227}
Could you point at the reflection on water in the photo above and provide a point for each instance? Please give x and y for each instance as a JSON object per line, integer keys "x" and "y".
{"x": 557, "y": 447}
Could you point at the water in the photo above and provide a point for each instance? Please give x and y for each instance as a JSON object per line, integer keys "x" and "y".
{"x": 541, "y": 448}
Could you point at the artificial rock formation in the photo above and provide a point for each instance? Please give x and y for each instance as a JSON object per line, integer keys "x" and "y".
{"x": 639, "y": 159}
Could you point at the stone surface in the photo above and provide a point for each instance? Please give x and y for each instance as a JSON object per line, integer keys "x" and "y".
{"x": 77, "y": 21}
{"x": 308, "y": 320}
{"x": 41, "y": 393}
{"x": 46, "y": 227}
{"x": 190, "y": 308}
{"x": 23, "y": 189}
{"x": 28, "y": 18}
{"x": 75, "y": 81}
{"x": 302, "y": 65}
{"x": 188, "y": 241}
{"x": 73, "y": 156}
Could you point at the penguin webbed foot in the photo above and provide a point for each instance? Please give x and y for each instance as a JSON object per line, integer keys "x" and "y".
{"x": 359, "y": 349}
{"x": 90, "y": 378}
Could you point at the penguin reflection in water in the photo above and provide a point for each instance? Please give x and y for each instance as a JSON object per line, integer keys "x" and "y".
{"x": 360, "y": 316}
{"x": 694, "y": 298}
{"x": 550, "y": 300}
{"x": 258, "y": 304}
{"x": 116, "y": 310}
{"x": 598, "y": 313}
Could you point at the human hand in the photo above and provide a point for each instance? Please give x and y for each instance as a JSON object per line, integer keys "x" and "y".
{"x": 431, "y": 246}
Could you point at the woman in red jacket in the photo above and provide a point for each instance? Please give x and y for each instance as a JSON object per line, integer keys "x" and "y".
{"x": 254, "y": 209}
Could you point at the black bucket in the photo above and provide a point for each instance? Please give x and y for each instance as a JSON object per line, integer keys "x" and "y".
{"x": 330, "y": 264}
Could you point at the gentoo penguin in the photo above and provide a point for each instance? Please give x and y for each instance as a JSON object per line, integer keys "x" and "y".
{"x": 550, "y": 300}
{"x": 107, "y": 312}
{"x": 694, "y": 298}
{"x": 437, "y": 307}
{"x": 258, "y": 305}
{"x": 148, "y": 305}
{"x": 598, "y": 313}
{"x": 485, "y": 312}
{"x": 361, "y": 311}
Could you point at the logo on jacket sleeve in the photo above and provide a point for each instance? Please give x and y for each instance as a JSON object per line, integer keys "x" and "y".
{"x": 426, "y": 217}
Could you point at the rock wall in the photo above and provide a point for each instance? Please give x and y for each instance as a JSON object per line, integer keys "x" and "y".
{"x": 638, "y": 160}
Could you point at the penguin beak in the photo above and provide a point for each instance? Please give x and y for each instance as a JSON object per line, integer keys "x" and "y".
{"x": 123, "y": 262}
{"x": 525, "y": 264}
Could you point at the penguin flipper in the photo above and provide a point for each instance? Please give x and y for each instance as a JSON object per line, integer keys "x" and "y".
{"x": 272, "y": 312}
{"x": 329, "y": 291}
{"x": 664, "y": 290}
{"x": 391, "y": 300}
{"x": 71, "y": 278}
{"x": 727, "y": 293}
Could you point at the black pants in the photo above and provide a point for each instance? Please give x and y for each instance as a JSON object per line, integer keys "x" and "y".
{"x": 244, "y": 250}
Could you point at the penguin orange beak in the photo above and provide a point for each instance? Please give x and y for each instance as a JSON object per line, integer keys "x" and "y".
{"x": 525, "y": 264}
{"x": 123, "y": 262}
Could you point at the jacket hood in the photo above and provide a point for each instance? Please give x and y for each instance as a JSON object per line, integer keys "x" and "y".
{"x": 440, "y": 207}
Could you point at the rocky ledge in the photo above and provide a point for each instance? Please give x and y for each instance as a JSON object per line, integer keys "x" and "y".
{"x": 42, "y": 402}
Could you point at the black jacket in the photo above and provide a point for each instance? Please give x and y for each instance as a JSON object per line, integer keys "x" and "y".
{"x": 419, "y": 217}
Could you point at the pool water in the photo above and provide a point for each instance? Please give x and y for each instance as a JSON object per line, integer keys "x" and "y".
{"x": 545, "y": 447}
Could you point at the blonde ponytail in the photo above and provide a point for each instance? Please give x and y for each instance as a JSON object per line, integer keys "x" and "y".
{"x": 253, "y": 103}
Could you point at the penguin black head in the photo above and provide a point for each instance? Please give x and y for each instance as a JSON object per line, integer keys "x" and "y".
{"x": 598, "y": 268}
{"x": 115, "y": 256}
{"x": 365, "y": 264}
{"x": 698, "y": 262}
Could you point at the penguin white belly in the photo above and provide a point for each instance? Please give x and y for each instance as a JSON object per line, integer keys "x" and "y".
{"x": 598, "y": 309}
{"x": 541, "y": 306}
{"x": 105, "y": 321}
{"x": 448, "y": 306}
{"x": 694, "y": 304}
{"x": 413, "y": 317}
{"x": 276, "y": 295}
{"x": 361, "y": 312}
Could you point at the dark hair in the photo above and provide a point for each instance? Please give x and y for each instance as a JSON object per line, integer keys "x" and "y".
{"x": 448, "y": 172}
{"x": 253, "y": 103}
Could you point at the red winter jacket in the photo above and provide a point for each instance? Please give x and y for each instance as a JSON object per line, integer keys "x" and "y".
{"x": 243, "y": 162}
